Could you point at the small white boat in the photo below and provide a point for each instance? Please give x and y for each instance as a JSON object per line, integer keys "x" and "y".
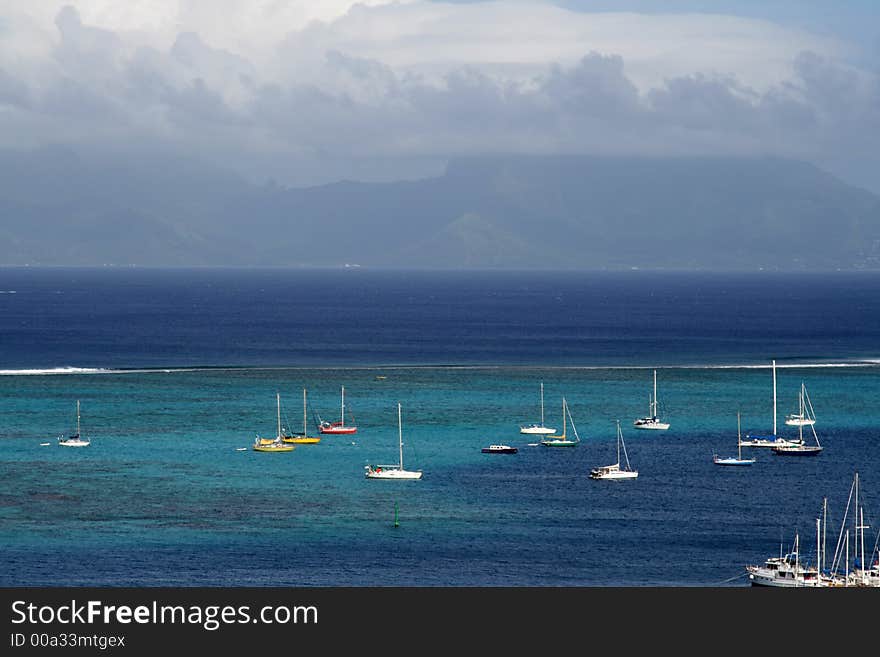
{"x": 538, "y": 429}
{"x": 805, "y": 415}
{"x": 395, "y": 471}
{"x": 614, "y": 471}
{"x": 499, "y": 449}
{"x": 75, "y": 440}
{"x": 738, "y": 460}
{"x": 800, "y": 448}
{"x": 651, "y": 421}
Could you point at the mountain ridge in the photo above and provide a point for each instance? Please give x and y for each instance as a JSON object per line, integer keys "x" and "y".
{"x": 61, "y": 207}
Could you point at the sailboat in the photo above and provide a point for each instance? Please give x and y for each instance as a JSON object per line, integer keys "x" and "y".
{"x": 302, "y": 438}
{"x": 614, "y": 471}
{"x": 539, "y": 429}
{"x": 651, "y": 421}
{"x": 800, "y": 448}
{"x": 337, "y": 427}
{"x": 393, "y": 471}
{"x": 563, "y": 440}
{"x": 739, "y": 460}
{"x": 805, "y": 415}
{"x": 865, "y": 572}
{"x": 772, "y": 440}
{"x": 273, "y": 444}
{"x": 75, "y": 440}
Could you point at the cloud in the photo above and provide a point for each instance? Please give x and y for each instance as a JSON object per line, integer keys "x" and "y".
{"x": 308, "y": 92}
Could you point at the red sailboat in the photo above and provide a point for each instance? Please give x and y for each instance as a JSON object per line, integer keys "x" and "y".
{"x": 337, "y": 427}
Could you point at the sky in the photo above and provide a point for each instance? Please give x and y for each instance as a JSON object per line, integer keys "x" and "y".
{"x": 305, "y": 92}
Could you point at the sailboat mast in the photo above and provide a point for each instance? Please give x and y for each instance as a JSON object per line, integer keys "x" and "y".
{"x": 856, "y": 518}
{"x": 77, "y": 418}
{"x": 563, "y": 417}
{"x": 278, "y": 399}
{"x": 654, "y": 409}
{"x": 824, "y": 528}
{"x": 400, "y": 435}
{"x": 304, "y": 413}
{"x": 774, "y": 399}
{"x": 342, "y": 412}
{"x": 802, "y": 411}
{"x": 862, "y": 527}
{"x": 738, "y": 438}
{"x": 818, "y": 547}
{"x": 618, "y": 442}
{"x": 542, "y": 403}
{"x": 801, "y": 432}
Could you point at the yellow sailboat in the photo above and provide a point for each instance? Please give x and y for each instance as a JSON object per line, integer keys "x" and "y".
{"x": 273, "y": 444}
{"x": 563, "y": 440}
{"x": 302, "y": 438}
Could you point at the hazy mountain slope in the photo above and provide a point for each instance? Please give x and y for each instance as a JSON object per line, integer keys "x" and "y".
{"x": 62, "y": 207}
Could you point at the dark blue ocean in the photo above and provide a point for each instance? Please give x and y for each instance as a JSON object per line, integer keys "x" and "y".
{"x": 176, "y": 370}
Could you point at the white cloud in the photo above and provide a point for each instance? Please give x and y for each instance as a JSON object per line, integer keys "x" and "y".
{"x": 274, "y": 81}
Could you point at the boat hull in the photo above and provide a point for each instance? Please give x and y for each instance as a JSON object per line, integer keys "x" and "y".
{"x": 559, "y": 443}
{"x": 733, "y": 461}
{"x": 767, "y": 442}
{"x": 391, "y": 473}
{"x": 800, "y": 423}
{"x": 301, "y": 440}
{"x": 797, "y": 450}
{"x": 790, "y": 580}
{"x": 620, "y": 474}
{"x": 537, "y": 431}
{"x": 338, "y": 430}
{"x": 650, "y": 424}
{"x": 499, "y": 449}
{"x": 274, "y": 446}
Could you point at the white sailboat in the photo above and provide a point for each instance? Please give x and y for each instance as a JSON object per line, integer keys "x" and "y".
{"x": 75, "y": 440}
{"x": 273, "y": 444}
{"x": 759, "y": 440}
{"x": 865, "y": 572}
{"x": 538, "y": 429}
{"x": 651, "y": 421}
{"x": 805, "y": 415}
{"x": 738, "y": 460}
{"x": 800, "y": 448}
{"x": 563, "y": 440}
{"x": 395, "y": 471}
{"x": 614, "y": 471}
